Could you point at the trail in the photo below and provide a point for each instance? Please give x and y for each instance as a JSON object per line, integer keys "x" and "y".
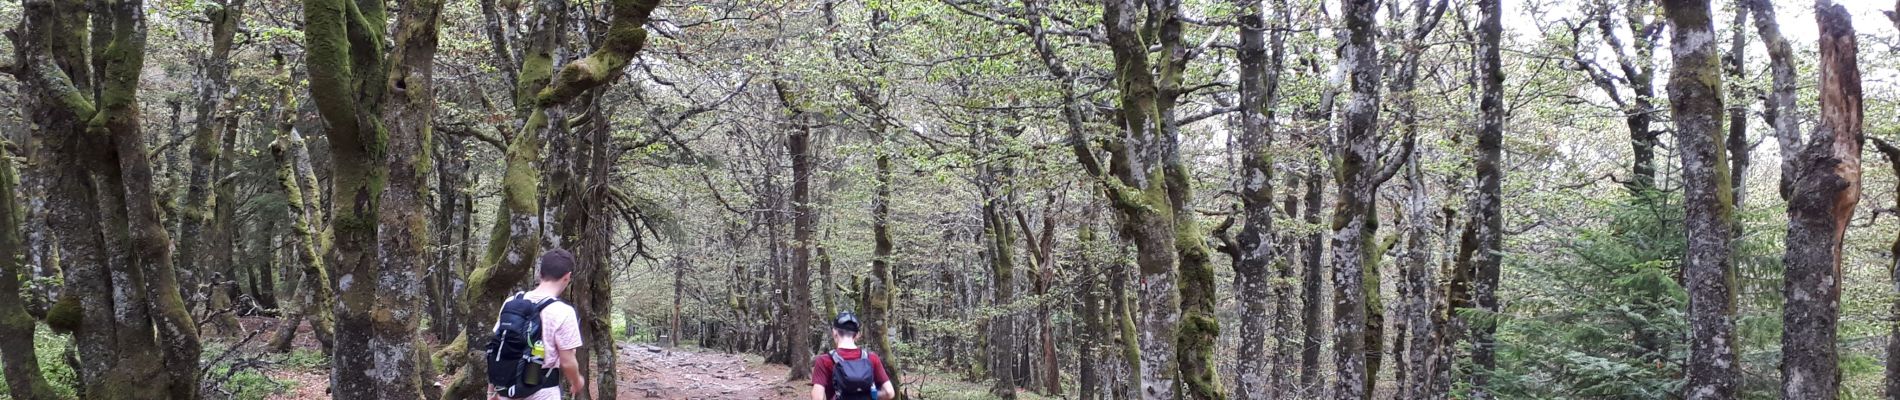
{"x": 648, "y": 372}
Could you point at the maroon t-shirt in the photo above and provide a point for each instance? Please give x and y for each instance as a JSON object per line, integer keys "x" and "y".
{"x": 821, "y": 366}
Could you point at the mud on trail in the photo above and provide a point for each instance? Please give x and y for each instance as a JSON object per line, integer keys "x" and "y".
{"x": 648, "y": 372}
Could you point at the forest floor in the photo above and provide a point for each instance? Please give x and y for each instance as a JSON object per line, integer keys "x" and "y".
{"x": 645, "y": 372}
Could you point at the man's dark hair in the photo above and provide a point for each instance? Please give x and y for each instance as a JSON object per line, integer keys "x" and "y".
{"x": 556, "y": 264}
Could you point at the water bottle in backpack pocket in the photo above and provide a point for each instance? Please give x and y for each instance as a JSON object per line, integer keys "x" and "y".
{"x": 516, "y": 355}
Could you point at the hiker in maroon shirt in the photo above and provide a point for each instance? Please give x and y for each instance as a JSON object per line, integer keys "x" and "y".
{"x": 843, "y": 373}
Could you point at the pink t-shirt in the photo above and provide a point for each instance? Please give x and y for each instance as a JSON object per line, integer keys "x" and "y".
{"x": 561, "y": 330}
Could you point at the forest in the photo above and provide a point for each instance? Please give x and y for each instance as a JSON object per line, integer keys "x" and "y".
{"x": 1016, "y": 199}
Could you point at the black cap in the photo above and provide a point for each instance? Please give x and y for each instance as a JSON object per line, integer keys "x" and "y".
{"x": 846, "y": 322}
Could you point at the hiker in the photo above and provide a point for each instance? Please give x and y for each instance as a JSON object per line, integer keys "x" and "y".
{"x": 535, "y": 338}
{"x": 847, "y": 372}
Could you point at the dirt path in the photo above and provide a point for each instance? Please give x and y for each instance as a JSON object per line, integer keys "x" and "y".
{"x": 648, "y": 372}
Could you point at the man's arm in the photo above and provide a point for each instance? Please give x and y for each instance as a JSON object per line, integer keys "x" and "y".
{"x": 887, "y": 392}
{"x": 817, "y": 392}
{"x": 572, "y": 373}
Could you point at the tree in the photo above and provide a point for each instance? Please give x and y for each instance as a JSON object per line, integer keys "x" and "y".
{"x": 540, "y": 91}
{"x": 128, "y": 298}
{"x": 798, "y": 332}
{"x": 378, "y": 104}
{"x": 1892, "y": 383}
{"x": 22, "y": 370}
{"x": 205, "y": 154}
{"x": 1779, "y": 109}
{"x": 1260, "y": 56}
{"x": 1361, "y": 169}
{"x": 1488, "y": 219}
{"x": 1695, "y": 90}
{"x": 1826, "y": 189}
{"x": 1147, "y": 185}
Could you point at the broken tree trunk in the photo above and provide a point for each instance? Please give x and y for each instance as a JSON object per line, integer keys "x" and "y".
{"x": 1826, "y": 189}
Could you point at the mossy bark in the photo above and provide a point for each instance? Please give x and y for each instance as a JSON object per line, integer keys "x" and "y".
{"x": 151, "y": 261}
{"x": 55, "y": 73}
{"x": 1260, "y": 56}
{"x": 206, "y": 151}
{"x": 1001, "y": 240}
{"x": 1359, "y": 170}
{"x": 1145, "y": 184}
{"x": 515, "y": 240}
{"x": 380, "y": 230}
{"x": 16, "y": 326}
{"x": 314, "y": 298}
{"x": 1695, "y": 92}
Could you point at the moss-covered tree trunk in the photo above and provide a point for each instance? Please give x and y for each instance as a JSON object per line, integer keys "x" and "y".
{"x": 218, "y": 270}
{"x": 22, "y": 369}
{"x": 1359, "y": 173}
{"x": 314, "y": 297}
{"x": 515, "y": 240}
{"x": 1260, "y": 56}
{"x": 402, "y": 231}
{"x": 1695, "y": 92}
{"x": 197, "y": 211}
{"x": 53, "y": 68}
{"x": 151, "y": 259}
{"x": 1826, "y": 189}
{"x": 1000, "y": 241}
{"x": 1146, "y": 183}
{"x": 378, "y": 104}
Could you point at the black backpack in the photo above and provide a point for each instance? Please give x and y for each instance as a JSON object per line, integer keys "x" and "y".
{"x": 854, "y": 379}
{"x": 513, "y": 368}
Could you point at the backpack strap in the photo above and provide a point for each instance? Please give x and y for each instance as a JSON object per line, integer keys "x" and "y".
{"x": 837, "y": 376}
{"x": 545, "y": 303}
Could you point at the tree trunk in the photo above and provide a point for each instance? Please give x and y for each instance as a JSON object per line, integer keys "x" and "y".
{"x": 798, "y": 327}
{"x": 1355, "y": 219}
{"x": 380, "y": 228}
{"x": 1893, "y": 269}
{"x": 1738, "y": 100}
{"x": 1826, "y": 189}
{"x": 150, "y": 264}
{"x": 1312, "y": 271}
{"x": 445, "y": 270}
{"x": 1779, "y": 109}
{"x": 195, "y": 253}
{"x": 16, "y": 326}
{"x": 1425, "y": 18}
{"x": 1001, "y": 239}
{"x": 1260, "y": 60}
{"x": 1696, "y": 105}
{"x": 1488, "y": 218}
{"x": 880, "y": 310}
{"x": 300, "y": 192}
{"x": 51, "y": 48}
{"x": 217, "y": 268}
{"x": 1089, "y": 377}
{"x": 515, "y": 241}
